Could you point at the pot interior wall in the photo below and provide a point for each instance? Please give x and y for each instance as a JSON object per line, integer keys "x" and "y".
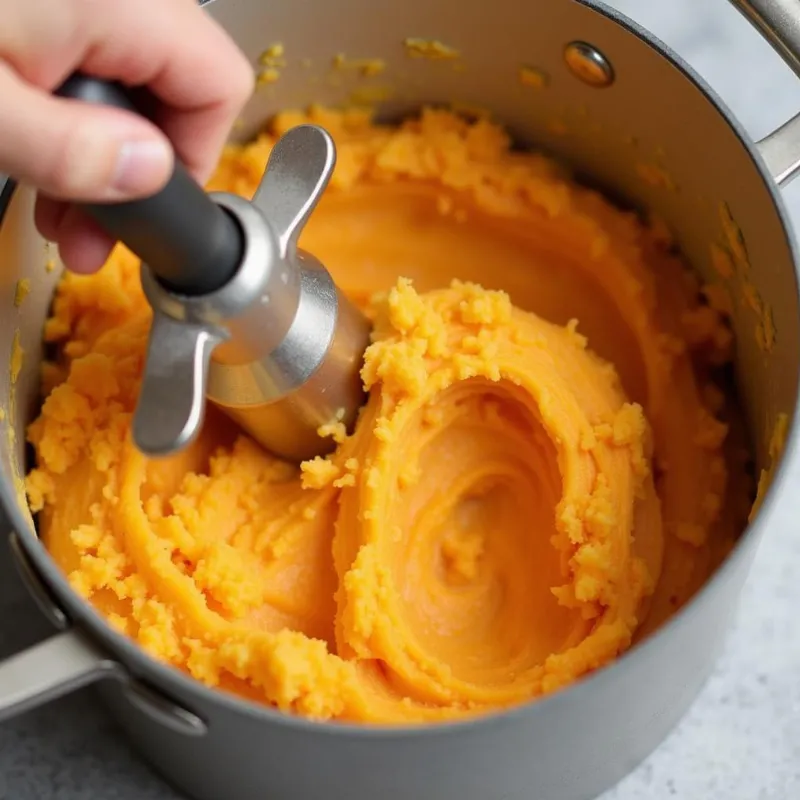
{"x": 27, "y": 263}
{"x": 652, "y": 139}
{"x": 651, "y": 122}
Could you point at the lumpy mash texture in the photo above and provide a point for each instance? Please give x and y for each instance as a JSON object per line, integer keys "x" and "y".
{"x": 544, "y": 471}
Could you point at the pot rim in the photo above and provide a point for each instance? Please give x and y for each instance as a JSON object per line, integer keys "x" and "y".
{"x": 82, "y": 612}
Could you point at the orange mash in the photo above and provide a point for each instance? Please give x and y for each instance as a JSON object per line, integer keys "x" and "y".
{"x": 545, "y": 469}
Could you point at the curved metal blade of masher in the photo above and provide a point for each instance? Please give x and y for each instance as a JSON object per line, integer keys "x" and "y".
{"x": 186, "y": 330}
{"x": 283, "y": 395}
{"x": 299, "y": 169}
{"x": 172, "y": 397}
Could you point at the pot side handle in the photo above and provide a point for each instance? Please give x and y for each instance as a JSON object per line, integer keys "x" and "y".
{"x": 58, "y": 665}
{"x": 778, "y": 21}
{"x": 64, "y": 663}
{"x": 69, "y": 661}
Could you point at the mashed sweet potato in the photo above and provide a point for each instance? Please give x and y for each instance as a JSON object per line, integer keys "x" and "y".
{"x": 545, "y": 470}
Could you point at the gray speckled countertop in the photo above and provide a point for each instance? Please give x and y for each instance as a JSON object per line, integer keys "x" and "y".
{"x": 740, "y": 741}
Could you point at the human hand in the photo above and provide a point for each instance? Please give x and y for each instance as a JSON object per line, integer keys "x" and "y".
{"x": 72, "y": 151}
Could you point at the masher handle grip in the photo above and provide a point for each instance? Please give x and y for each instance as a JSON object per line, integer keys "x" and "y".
{"x": 190, "y": 243}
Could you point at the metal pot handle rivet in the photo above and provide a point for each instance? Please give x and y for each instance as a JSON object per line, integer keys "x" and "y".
{"x": 588, "y": 64}
{"x": 778, "y": 21}
{"x": 69, "y": 661}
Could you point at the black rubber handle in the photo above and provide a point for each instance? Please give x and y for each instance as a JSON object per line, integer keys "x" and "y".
{"x": 191, "y": 244}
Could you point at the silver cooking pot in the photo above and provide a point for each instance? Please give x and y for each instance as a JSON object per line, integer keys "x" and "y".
{"x": 621, "y": 86}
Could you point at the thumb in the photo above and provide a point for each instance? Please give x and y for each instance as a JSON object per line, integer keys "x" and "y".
{"x": 75, "y": 151}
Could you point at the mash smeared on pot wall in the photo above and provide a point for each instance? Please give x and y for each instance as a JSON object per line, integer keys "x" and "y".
{"x": 545, "y": 469}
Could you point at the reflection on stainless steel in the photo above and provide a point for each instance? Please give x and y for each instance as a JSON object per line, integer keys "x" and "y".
{"x": 781, "y": 151}
{"x": 779, "y": 23}
{"x": 278, "y": 348}
{"x": 588, "y": 64}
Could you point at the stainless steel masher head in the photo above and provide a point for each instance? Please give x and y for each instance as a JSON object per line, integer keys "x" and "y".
{"x": 241, "y": 315}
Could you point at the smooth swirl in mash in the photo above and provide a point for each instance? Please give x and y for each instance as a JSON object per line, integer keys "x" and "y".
{"x": 512, "y": 510}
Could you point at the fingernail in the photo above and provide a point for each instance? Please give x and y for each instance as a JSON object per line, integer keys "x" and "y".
{"x": 142, "y": 166}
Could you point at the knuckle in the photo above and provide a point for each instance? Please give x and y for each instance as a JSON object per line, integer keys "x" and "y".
{"x": 78, "y": 163}
{"x": 245, "y": 80}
